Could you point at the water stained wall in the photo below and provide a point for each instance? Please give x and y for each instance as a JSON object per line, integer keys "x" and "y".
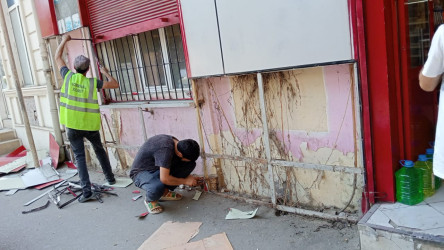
{"x": 311, "y": 119}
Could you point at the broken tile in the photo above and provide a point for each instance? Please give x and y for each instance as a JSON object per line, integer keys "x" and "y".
{"x": 197, "y": 195}
{"x": 380, "y": 219}
{"x": 120, "y": 182}
{"x": 11, "y": 183}
{"x": 39, "y": 175}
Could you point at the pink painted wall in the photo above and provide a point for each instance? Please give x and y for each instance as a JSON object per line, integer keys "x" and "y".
{"x": 179, "y": 122}
{"x": 340, "y": 135}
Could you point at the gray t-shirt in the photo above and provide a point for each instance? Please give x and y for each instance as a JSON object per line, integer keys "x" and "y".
{"x": 157, "y": 151}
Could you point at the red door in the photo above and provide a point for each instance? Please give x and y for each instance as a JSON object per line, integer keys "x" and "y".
{"x": 418, "y": 108}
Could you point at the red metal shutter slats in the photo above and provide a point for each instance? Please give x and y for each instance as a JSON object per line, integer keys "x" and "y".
{"x": 115, "y": 16}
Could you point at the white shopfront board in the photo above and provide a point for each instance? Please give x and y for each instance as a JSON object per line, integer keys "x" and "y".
{"x": 238, "y": 36}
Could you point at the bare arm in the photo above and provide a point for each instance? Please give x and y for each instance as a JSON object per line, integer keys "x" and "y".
{"x": 58, "y": 55}
{"x": 428, "y": 83}
{"x": 167, "y": 179}
{"x": 111, "y": 83}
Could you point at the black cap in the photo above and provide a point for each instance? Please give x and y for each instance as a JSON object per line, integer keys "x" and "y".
{"x": 189, "y": 149}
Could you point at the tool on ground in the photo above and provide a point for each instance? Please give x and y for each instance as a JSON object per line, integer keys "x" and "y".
{"x": 143, "y": 215}
{"x": 36, "y": 209}
{"x": 45, "y": 193}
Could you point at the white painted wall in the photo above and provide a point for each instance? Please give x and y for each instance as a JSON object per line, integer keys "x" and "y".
{"x": 37, "y": 91}
{"x": 254, "y": 35}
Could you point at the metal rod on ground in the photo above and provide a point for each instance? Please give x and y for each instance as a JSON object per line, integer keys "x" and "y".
{"x": 19, "y": 89}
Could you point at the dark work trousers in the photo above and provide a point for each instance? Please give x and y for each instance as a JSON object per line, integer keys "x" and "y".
{"x": 76, "y": 139}
{"x": 150, "y": 181}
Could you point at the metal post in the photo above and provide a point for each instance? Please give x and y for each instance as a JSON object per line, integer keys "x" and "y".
{"x": 199, "y": 128}
{"x": 266, "y": 136}
{"x": 142, "y": 121}
{"x": 19, "y": 89}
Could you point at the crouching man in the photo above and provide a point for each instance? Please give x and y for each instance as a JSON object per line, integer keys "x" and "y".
{"x": 162, "y": 163}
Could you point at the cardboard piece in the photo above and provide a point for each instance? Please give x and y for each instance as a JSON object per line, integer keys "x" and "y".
{"x": 237, "y": 214}
{"x": 120, "y": 182}
{"x": 162, "y": 239}
{"x": 215, "y": 242}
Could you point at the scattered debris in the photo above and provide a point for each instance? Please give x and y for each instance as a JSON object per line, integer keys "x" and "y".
{"x": 37, "y": 208}
{"x": 120, "y": 182}
{"x": 54, "y": 150}
{"x": 142, "y": 215}
{"x": 197, "y": 195}
{"x": 11, "y": 192}
{"x": 135, "y": 198}
{"x": 136, "y": 192}
{"x": 45, "y": 193}
{"x": 184, "y": 232}
{"x": 161, "y": 238}
{"x": 237, "y": 214}
{"x": 70, "y": 165}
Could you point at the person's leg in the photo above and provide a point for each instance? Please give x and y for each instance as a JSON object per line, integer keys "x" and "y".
{"x": 76, "y": 139}
{"x": 94, "y": 138}
{"x": 150, "y": 182}
{"x": 154, "y": 188}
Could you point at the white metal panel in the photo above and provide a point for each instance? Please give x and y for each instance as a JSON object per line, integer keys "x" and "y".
{"x": 202, "y": 37}
{"x": 264, "y": 34}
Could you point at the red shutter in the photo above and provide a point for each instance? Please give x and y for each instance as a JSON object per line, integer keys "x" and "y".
{"x": 111, "y": 19}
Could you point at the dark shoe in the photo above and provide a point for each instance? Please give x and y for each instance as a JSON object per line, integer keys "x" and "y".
{"x": 112, "y": 182}
{"x": 82, "y": 198}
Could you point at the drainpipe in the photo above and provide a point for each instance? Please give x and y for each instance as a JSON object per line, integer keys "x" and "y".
{"x": 18, "y": 88}
{"x": 49, "y": 85}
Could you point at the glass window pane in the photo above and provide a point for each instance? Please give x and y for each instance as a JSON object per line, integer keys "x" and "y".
{"x": 152, "y": 58}
{"x": 419, "y": 32}
{"x": 126, "y": 64}
{"x": 177, "y": 57}
{"x": 10, "y": 3}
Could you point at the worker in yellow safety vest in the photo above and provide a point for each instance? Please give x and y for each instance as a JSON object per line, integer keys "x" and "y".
{"x": 79, "y": 112}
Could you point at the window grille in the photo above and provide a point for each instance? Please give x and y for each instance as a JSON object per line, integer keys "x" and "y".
{"x": 148, "y": 66}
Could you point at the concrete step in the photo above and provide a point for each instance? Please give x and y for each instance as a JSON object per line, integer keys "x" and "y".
{"x": 8, "y": 146}
{"x": 7, "y": 123}
{"x": 7, "y": 134}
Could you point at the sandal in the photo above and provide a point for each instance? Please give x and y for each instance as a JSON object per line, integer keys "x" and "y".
{"x": 171, "y": 196}
{"x": 153, "y": 209}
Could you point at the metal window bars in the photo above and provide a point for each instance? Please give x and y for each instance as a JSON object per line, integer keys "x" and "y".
{"x": 149, "y": 66}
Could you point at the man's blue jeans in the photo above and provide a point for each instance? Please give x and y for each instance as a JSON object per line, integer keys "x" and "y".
{"x": 76, "y": 139}
{"x": 150, "y": 181}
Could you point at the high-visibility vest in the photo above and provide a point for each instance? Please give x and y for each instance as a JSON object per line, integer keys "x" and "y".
{"x": 79, "y": 108}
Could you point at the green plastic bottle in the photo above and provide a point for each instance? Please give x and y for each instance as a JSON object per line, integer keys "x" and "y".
{"x": 409, "y": 184}
{"x": 428, "y": 179}
{"x": 429, "y": 154}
